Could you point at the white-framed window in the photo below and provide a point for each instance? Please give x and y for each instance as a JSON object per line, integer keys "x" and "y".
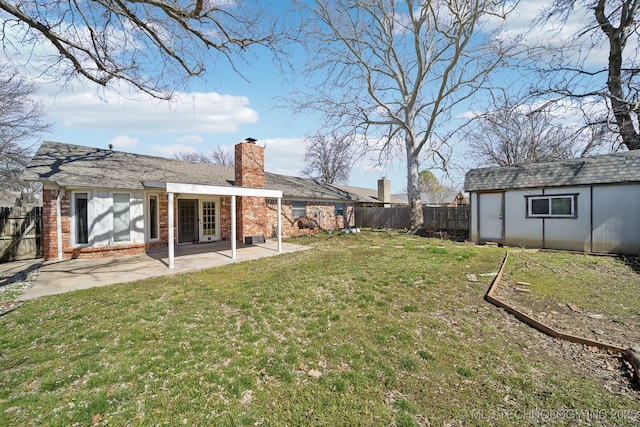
{"x": 153, "y": 216}
{"x": 552, "y": 206}
{"x": 299, "y": 208}
{"x": 121, "y": 217}
{"x": 80, "y": 218}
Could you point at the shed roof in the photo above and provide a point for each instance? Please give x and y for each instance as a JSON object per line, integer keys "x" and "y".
{"x": 71, "y": 165}
{"x": 605, "y": 169}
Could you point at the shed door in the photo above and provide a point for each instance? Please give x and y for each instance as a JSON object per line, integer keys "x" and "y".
{"x": 490, "y": 210}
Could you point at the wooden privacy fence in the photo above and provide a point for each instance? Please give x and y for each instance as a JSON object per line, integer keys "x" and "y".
{"x": 20, "y": 233}
{"x": 450, "y": 218}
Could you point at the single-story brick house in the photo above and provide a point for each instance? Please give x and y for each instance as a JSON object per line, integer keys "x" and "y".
{"x": 589, "y": 204}
{"x": 99, "y": 202}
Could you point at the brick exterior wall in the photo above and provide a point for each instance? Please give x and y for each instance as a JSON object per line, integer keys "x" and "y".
{"x": 49, "y": 228}
{"x": 50, "y": 232}
{"x": 225, "y": 218}
{"x": 323, "y": 213}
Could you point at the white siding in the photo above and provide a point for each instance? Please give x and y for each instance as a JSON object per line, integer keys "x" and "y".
{"x": 616, "y": 219}
{"x": 100, "y": 218}
{"x": 550, "y": 233}
{"x": 570, "y": 233}
{"x": 518, "y": 229}
{"x": 137, "y": 217}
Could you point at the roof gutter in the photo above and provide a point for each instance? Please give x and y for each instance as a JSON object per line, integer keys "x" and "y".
{"x": 172, "y": 187}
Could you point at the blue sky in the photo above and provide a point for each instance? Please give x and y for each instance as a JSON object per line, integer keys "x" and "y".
{"x": 220, "y": 109}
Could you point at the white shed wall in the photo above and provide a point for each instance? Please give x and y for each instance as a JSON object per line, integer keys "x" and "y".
{"x": 616, "y": 219}
{"x": 610, "y": 223}
{"x": 570, "y": 233}
{"x": 518, "y": 229}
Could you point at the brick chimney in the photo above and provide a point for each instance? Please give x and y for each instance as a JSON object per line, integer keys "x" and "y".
{"x": 384, "y": 192}
{"x": 251, "y": 212}
{"x": 249, "y": 163}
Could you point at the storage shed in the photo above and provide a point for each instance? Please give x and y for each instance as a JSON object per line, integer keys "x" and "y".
{"x": 589, "y": 204}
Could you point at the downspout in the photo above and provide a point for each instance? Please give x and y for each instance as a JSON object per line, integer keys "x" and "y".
{"x": 59, "y": 222}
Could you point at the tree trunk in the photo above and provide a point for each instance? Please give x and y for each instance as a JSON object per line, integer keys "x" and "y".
{"x": 621, "y": 109}
{"x": 416, "y": 218}
{"x": 620, "y": 105}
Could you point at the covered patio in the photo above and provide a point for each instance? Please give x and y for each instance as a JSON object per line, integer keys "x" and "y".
{"x": 172, "y": 189}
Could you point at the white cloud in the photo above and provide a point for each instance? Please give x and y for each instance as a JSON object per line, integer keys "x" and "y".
{"x": 124, "y": 141}
{"x": 590, "y": 48}
{"x": 190, "y": 139}
{"x": 168, "y": 150}
{"x": 206, "y": 112}
{"x": 284, "y": 155}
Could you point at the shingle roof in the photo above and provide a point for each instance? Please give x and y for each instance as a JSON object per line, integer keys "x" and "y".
{"x": 78, "y": 166}
{"x": 75, "y": 165}
{"x": 365, "y": 195}
{"x": 606, "y": 169}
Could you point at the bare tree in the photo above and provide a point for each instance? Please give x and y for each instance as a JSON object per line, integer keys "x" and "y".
{"x": 151, "y": 44}
{"x": 221, "y": 155}
{"x": 514, "y": 134}
{"x": 571, "y": 72}
{"x": 22, "y": 122}
{"x": 394, "y": 72}
{"x": 328, "y": 158}
{"x": 192, "y": 156}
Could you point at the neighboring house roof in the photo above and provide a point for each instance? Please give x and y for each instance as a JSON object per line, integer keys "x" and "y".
{"x": 71, "y": 165}
{"x": 301, "y": 188}
{"x": 429, "y": 199}
{"x": 605, "y": 169}
{"x": 365, "y": 195}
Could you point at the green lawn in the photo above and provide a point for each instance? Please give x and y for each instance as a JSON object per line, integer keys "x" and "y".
{"x": 369, "y": 329}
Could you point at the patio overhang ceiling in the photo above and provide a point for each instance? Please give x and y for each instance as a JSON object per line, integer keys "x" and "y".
{"x": 174, "y": 187}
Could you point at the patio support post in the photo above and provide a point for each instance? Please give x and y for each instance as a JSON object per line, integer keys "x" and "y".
{"x": 233, "y": 227}
{"x": 279, "y": 224}
{"x": 171, "y": 222}
{"x": 59, "y": 222}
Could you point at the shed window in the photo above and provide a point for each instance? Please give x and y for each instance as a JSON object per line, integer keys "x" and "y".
{"x": 298, "y": 208}
{"x": 556, "y": 206}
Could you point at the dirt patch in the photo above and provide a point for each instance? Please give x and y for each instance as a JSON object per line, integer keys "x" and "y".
{"x": 621, "y": 331}
{"x": 612, "y": 370}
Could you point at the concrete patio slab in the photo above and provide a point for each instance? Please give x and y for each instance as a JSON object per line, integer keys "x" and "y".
{"x": 55, "y": 277}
